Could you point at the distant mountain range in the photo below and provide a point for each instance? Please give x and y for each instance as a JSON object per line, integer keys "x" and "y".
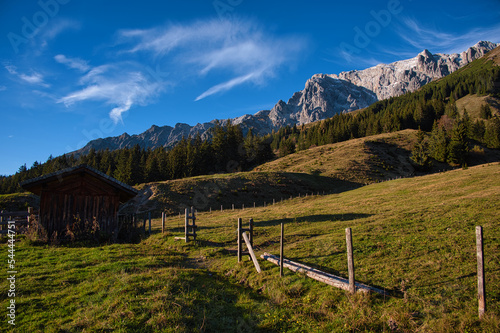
{"x": 323, "y": 96}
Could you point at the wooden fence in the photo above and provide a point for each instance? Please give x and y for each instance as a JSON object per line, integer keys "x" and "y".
{"x": 254, "y": 204}
{"x": 189, "y": 228}
{"x": 242, "y": 235}
{"x": 20, "y": 218}
{"x": 352, "y": 286}
{"x": 349, "y": 283}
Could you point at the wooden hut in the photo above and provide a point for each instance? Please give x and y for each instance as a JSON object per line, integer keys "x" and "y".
{"x": 79, "y": 198}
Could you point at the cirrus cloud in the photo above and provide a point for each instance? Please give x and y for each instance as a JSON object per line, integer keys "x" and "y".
{"x": 241, "y": 51}
{"x": 121, "y": 85}
{"x": 34, "y": 77}
{"x": 74, "y": 63}
{"x": 423, "y": 36}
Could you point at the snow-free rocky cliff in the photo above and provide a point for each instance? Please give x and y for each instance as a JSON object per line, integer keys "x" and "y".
{"x": 323, "y": 96}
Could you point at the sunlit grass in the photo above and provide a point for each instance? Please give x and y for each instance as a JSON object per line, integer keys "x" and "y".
{"x": 412, "y": 237}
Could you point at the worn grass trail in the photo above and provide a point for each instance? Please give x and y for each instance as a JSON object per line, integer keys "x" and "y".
{"x": 414, "y": 237}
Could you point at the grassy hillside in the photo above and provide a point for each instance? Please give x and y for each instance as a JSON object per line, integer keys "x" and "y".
{"x": 327, "y": 169}
{"x": 241, "y": 189}
{"x": 363, "y": 160}
{"x": 366, "y": 160}
{"x": 413, "y": 237}
{"x": 473, "y": 103}
{"x": 330, "y": 168}
{"x": 18, "y": 201}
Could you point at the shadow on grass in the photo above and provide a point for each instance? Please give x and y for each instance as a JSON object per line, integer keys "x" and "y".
{"x": 385, "y": 292}
{"x": 211, "y": 305}
{"x": 315, "y": 182}
{"x": 313, "y": 218}
{"x": 441, "y": 282}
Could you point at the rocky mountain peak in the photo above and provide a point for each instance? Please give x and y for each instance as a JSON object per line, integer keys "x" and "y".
{"x": 397, "y": 78}
{"x": 426, "y": 54}
{"x": 323, "y": 96}
{"x": 124, "y": 136}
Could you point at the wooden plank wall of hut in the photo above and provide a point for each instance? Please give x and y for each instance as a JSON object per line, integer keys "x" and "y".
{"x": 59, "y": 210}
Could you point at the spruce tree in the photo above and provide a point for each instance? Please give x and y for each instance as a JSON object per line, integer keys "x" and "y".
{"x": 123, "y": 171}
{"x": 152, "y": 170}
{"x": 420, "y": 152}
{"x": 492, "y": 133}
{"x": 458, "y": 148}
{"x": 438, "y": 143}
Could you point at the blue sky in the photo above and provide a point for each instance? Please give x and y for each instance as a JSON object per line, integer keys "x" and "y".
{"x": 76, "y": 70}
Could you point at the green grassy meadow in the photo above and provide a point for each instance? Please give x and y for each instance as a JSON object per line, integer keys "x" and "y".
{"x": 413, "y": 237}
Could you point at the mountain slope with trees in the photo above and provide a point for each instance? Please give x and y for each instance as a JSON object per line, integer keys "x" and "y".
{"x": 433, "y": 108}
{"x": 323, "y": 96}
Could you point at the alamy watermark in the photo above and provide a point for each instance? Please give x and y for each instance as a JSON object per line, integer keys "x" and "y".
{"x": 11, "y": 273}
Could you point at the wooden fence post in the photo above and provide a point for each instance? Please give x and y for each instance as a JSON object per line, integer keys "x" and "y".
{"x": 30, "y": 212}
{"x": 193, "y": 217}
{"x": 186, "y": 224}
{"x": 239, "y": 238}
{"x": 250, "y": 251}
{"x": 282, "y": 239}
{"x": 350, "y": 260}
{"x": 162, "y": 222}
{"x": 250, "y": 227}
{"x": 149, "y": 216}
{"x": 481, "y": 287}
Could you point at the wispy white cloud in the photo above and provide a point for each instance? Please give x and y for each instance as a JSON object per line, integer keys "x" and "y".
{"x": 241, "y": 51}
{"x": 228, "y": 85}
{"x": 121, "y": 85}
{"x": 53, "y": 30}
{"x": 3, "y": 88}
{"x": 74, "y": 63}
{"x": 423, "y": 36}
{"x": 225, "y": 53}
{"x": 32, "y": 78}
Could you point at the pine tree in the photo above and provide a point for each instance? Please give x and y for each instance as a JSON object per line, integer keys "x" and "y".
{"x": 492, "y": 133}
{"x": 152, "y": 170}
{"x": 91, "y": 159}
{"x": 191, "y": 160}
{"x": 485, "y": 111}
{"x": 107, "y": 164}
{"x": 286, "y": 147}
{"x": 438, "y": 143}
{"x": 458, "y": 148}
{"x": 123, "y": 171}
{"x": 420, "y": 152}
{"x": 478, "y": 130}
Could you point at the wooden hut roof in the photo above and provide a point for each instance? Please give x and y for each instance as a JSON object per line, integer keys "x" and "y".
{"x": 35, "y": 185}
